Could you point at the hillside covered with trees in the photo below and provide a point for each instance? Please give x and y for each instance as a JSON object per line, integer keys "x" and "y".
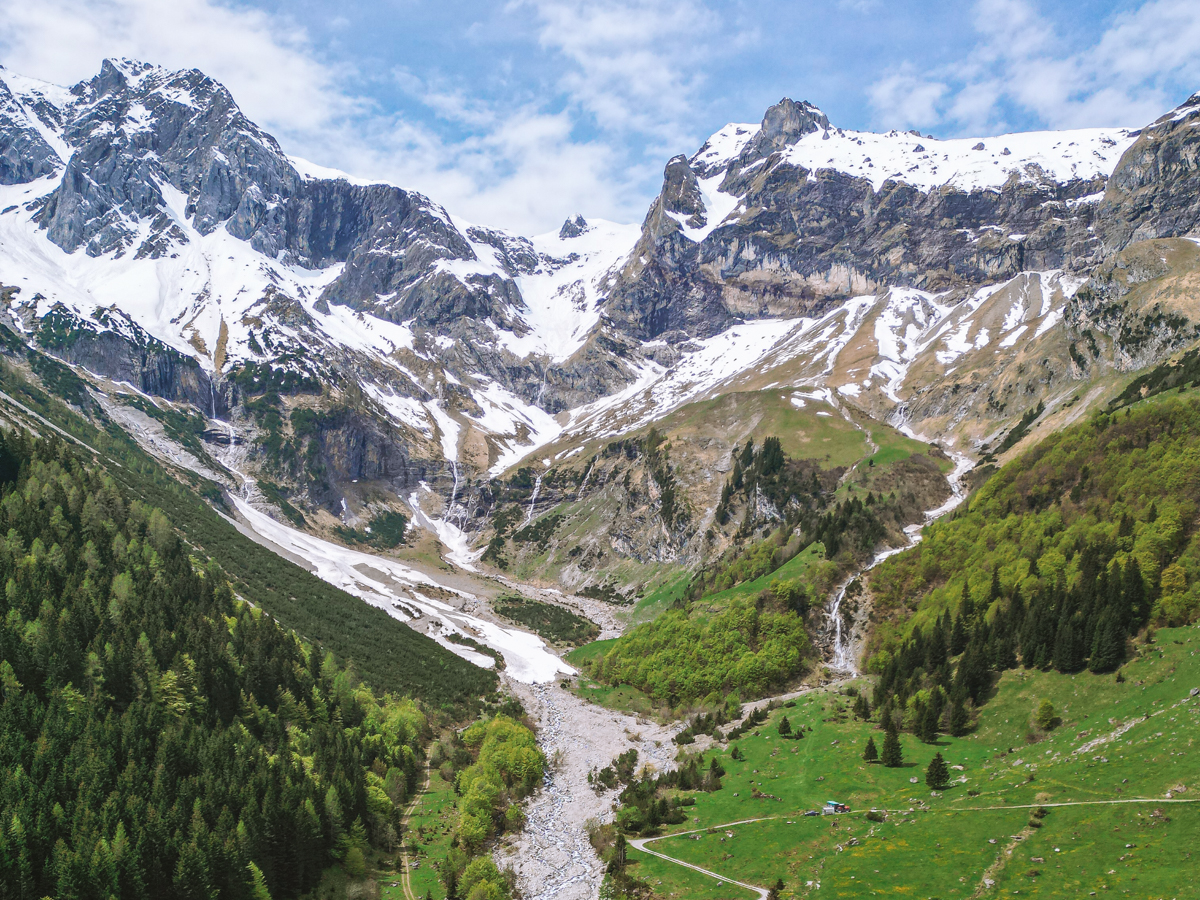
{"x": 158, "y": 736}
{"x": 1056, "y": 563}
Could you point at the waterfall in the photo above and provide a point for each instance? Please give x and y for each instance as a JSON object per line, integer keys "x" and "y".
{"x": 842, "y": 656}
{"x": 537, "y": 488}
{"x": 583, "y": 484}
{"x": 454, "y": 490}
{"x": 841, "y": 652}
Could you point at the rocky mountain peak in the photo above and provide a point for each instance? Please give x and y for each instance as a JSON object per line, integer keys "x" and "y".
{"x": 681, "y": 191}
{"x": 784, "y": 124}
{"x": 573, "y": 227}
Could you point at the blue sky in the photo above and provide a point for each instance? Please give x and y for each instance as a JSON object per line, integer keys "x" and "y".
{"x": 519, "y": 113}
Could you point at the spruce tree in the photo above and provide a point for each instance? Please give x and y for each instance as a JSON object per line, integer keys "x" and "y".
{"x": 862, "y": 707}
{"x": 785, "y": 727}
{"x": 776, "y": 890}
{"x": 892, "y": 755}
{"x": 617, "y": 863}
{"x": 958, "y": 636}
{"x": 870, "y": 754}
{"x": 966, "y": 607}
{"x": 960, "y": 721}
{"x": 929, "y": 723}
{"x": 1108, "y": 648}
{"x": 938, "y": 774}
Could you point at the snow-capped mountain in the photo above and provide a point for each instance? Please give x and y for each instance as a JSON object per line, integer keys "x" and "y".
{"x": 142, "y": 209}
{"x": 355, "y": 331}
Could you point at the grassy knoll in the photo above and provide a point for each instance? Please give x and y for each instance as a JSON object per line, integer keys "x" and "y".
{"x": 621, "y": 697}
{"x": 671, "y": 588}
{"x": 430, "y": 830}
{"x": 941, "y": 846}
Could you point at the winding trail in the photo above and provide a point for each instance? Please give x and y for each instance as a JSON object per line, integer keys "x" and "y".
{"x": 640, "y": 843}
{"x": 406, "y": 876}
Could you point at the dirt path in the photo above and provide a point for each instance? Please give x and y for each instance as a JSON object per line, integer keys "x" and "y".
{"x": 640, "y": 843}
{"x": 552, "y": 857}
{"x": 405, "y": 877}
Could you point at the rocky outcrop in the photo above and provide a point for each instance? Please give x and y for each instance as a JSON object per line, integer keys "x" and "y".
{"x": 24, "y": 153}
{"x": 801, "y": 238}
{"x": 1155, "y": 190}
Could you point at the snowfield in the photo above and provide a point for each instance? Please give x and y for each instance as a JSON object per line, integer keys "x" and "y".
{"x": 392, "y": 586}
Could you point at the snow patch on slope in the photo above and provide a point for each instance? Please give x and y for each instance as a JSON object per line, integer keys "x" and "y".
{"x": 391, "y": 585}
{"x": 928, "y": 163}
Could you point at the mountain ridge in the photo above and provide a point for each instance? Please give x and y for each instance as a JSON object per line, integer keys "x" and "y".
{"x": 353, "y": 335}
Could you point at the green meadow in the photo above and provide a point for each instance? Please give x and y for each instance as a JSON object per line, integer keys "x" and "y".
{"x": 945, "y": 844}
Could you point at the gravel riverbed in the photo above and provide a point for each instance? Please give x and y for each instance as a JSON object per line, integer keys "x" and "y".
{"x": 552, "y": 856}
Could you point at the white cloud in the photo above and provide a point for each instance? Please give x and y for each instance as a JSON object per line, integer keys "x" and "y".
{"x": 633, "y": 65}
{"x": 522, "y": 167}
{"x": 904, "y": 98}
{"x": 1021, "y": 62}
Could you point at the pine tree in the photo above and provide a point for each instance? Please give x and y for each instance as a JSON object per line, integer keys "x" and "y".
{"x": 1108, "y": 648}
{"x": 960, "y": 721}
{"x": 958, "y": 636}
{"x": 938, "y": 774}
{"x": 966, "y": 607}
{"x": 776, "y": 890}
{"x": 935, "y": 650}
{"x": 617, "y": 863}
{"x": 892, "y": 755}
{"x": 862, "y": 707}
{"x": 258, "y": 884}
{"x": 929, "y": 724}
{"x": 870, "y": 754}
{"x": 785, "y": 727}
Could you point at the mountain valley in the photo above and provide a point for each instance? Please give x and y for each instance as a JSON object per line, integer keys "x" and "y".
{"x": 574, "y": 534}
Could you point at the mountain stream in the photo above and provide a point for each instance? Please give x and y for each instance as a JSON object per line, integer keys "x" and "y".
{"x": 845, "y": 639}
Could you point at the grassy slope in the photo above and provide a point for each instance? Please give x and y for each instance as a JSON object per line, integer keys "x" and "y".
{"x": 702, "y": 436}
{"x": 927, "y": 852}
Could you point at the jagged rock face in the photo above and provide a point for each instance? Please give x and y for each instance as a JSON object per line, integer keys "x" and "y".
{"x": 800, "y": 238}
{"x": 124, "y": 352}
{"x": 1155, "y": 191}
{"x": 136, "y": 131}
{"x": 350, "y": 446}
{"x": 24, "y": 153}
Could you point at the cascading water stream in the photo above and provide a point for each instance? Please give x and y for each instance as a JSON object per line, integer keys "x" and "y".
{"x": 842, "y": 656}
{"x": 453, "y": 491}
{"x": 584, "y": 484}
{"x": 537, "y": 489}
